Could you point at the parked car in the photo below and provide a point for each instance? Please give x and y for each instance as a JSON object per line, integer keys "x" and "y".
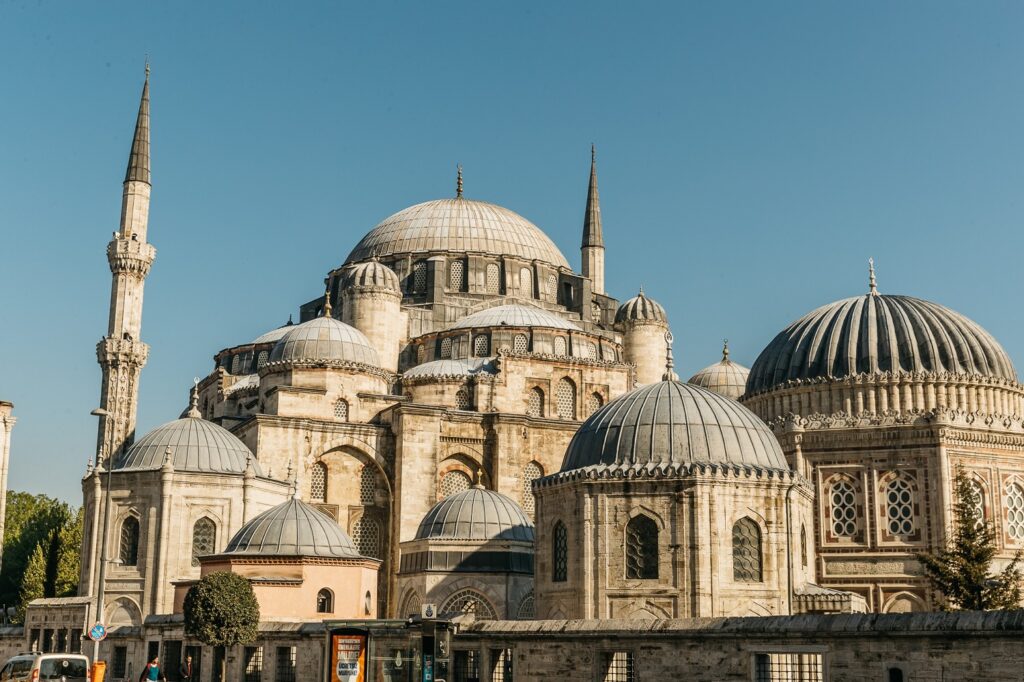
{"x": 40, "y": 667}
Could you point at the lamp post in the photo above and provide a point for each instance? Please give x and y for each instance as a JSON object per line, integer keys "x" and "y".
{"x": 101, "y": 554}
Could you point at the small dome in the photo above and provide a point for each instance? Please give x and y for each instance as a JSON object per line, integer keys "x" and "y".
{"x": 325, "y": 338}
{"x": 372, "y": 273}
{"x": 274, "y": 334}
{"x": 476, "y": 514}
{"x": 452, "y": 368}
{"x": 673, "y": 423}
{"x": 515, "y": 315}
{"x": 458, "y": 226}
{"x": 640, "y": 308}
{"x": 877, "y": 333}
{"x": 293, "y": 529}
{"x": 195, "y": 444}
{"x": 726, "y": 378}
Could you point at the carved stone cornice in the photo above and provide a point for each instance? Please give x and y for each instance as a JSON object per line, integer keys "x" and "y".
{"x": 111, "y": 352}
{"x": 129, "y": 256}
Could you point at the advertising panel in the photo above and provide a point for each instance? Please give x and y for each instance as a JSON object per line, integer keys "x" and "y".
{"x": 348, "y": 658}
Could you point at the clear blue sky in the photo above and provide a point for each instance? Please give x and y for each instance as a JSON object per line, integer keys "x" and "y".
{"x": 752, "y": 156}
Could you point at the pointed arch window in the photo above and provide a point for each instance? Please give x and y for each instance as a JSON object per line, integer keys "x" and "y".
{"x": 565, "y": 396}
{"x": 366, "y": 536}
{"x": 641, "y": 548}
{"x": 844, "y": 509}
{"x": 977, "y": 502}
{"x": 1015, "y": 512}
{"x": 204, "y": 539}
{"x": 368, "y": 486}
{"x": 129, "y": 550}
{"x": 469, "y": 601}
{"x": 899, "y": 503}
{"x": 803, "y": 545}
{"x": 520, "y": 344}
{"x": 341, "y": 409}
{"x": 324, "y": 601}
{"x": 560, "y": 348}
{"x": 594, "y": 403}
{"x": 262, "y": 358}
{"x": 746, "y": 552}
{"x": 457, "y": 276}
{"x": 419, "y": 277}
{"x": 454, "y": 482}
{"x": 526, "y": 283}
{"x": 318, "y": 482}
{"x": 535, "y": 403}
{"x": 493, "y": 278}
{"x": 559, "y": 553}
{"x": 531, "y": 472}
{"x": 446, "y": 348}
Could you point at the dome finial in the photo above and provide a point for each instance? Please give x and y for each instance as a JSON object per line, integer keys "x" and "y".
{"x": 871, "y": 277}
{"x": 669, "y": 374}
{"x": 193, "y": 401}
{"x": 641, "y": 290}
{"x": 725, "y": 350}
{"x": 478, "y": 483}
{"x": 458, "y": 183}
{"x": 147, "y": 66}
{"x": 327, "y": 301}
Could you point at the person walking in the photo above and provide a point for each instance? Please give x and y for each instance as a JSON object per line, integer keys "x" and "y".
{"x": 152, "y": 672}
{"x": 185, "y": 672}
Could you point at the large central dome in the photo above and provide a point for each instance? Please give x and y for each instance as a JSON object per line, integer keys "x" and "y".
{"x": 458, "y": 225}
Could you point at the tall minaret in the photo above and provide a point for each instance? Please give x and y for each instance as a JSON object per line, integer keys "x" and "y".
{"x": 593, "y": 238}
{"x": 121, "y": 354}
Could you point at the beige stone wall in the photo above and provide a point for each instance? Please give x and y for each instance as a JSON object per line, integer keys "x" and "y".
{"x": 643, "y": 344}
{"x": 311, "y": 392}
{"x": 377, "y": 314}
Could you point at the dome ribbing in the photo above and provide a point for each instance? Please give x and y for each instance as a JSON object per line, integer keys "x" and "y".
{"x": 476, "y": 514}
{"x": 293, "y": 529}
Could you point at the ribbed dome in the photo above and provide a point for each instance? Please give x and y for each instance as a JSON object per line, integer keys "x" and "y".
{"x": 514, "y": 316}
{"x": 372, "y": 273}
{"x": 726, "y": 378}
{"x": 476, "y": 514}
{"x": 324, "y": 338}
{"x": 641, "y": 308}
{"x": 879, "y": 333}
{"x": 452, "y": 368}
{"x": 673, "y": 423}
{"x": 293, "y": 529}
{"x": 274, "y": 334}
{"x": 461, "y": 226}
{"x": 196, "y": 445}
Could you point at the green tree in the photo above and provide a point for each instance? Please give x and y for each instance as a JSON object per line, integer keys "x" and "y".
{"x": 33, "y": 584}
{"x": 30, "y": 519}
{"x": 221, "y": 611}
{"x": 961, "y": 571}
{"x": 69, "y": 556}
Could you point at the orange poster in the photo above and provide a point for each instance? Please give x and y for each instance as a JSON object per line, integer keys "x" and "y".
{"x": 348, "y": 658}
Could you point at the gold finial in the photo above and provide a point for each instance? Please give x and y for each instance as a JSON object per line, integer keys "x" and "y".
{"x": 327, "y": 301}
{"x": 479, "y": 478}
{"x": 147, "y": 66}
{"x": 669, "y": 374}
{"x": 725, "y": 350}
{"x": 458, "y": 184}
{"x": 871, "y": 277}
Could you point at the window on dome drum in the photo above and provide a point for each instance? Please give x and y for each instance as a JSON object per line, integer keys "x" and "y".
{"x": 368, "y": 486}
{"x": 236, "y": 364}
{"x": 252, "y": 659}
{"x": 129, "y": 552}
{"x": 457, "y": 276}
{"x": 262, "y": 359}
{"x": 746, "y": 551}
{"x": 493, "y": 279}
{"x": 520, "y": 344}
{"x": 560, "y": 348}
{"x": 1015, "y": 512}
{"x": 594, "y": 403}
{"x": 899, "y": 503}
{"x": 318, "y": 482}
{"x": 565, "y": 397}
{"x": 531, "y": 472}
{"x": 501, "y": 665}
{"x": 979, "y": 502}
{"x": 843, "y": 509}
{"x": 454, "y": 482}
{"x": 324, "y": 601}
{"x": 535, "y": 403}
{"x": 552, "y": 285}
{"x": 526, "y": 283}
{"x": 590, "y": 351}
{"x": 366, "y": 536}
{"x": 446, "y": 348}
{"x": 786, "y": 667}
{"x": 421, "y": 354}
{"x": 559, "y": 553}
{"x": 641, "y": 548}
{"x": 341, "y": 409}
{"x": 617, "y": 666}
{"x": 419, "y": 277}
{"x": 204, "y": 536}
{"x": 481, "y": 346}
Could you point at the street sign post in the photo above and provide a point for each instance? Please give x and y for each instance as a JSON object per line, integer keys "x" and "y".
{"x": 98, "y": 632}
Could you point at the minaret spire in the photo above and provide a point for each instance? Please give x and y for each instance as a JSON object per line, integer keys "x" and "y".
{"x": 138, "y": 160}
{"x": 592, "y": 248}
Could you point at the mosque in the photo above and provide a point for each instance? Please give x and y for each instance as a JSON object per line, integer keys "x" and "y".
{"x": 463, "y": 419}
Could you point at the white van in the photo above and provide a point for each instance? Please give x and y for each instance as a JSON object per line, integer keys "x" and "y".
{"x": 39, "y": 667}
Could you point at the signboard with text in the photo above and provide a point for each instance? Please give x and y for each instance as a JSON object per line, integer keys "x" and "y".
{"x": 348, "y": 658}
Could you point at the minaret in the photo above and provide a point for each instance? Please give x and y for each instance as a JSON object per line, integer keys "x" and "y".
{"x": 593, "y": 238}
{"x": 121, "y": 354}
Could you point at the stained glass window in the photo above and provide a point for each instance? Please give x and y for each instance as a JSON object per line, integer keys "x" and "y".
{"x": 565, "y": 396}
{"x": 204, "y": 535}
{"x": 641, "y": 548}
{"x": 899, "y": 501}
{"x": 843, "y": 509}
{"x": 746, "y": 551}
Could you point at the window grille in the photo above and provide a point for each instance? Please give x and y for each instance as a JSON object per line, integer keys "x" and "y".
{"x": 285, "y": 671}
{"x": 469, "y": 601}
{"x": 366, "y": 535}
{"x": 746, "y": 552}
{"x": 196, "y": 652}
{"x": 526, "y": 283}
{"x": 262, "y": 358}
{"x": 559, "y": 553}
{"x": 899, "y": 499}
{"x": 446, "y": 348}
{"x": 566, "y": 399}
{"x": 1015, "y": 512}
{"x": 520, "y": 344}
{"x": 978, "y": 503}
{"x": 466, "y": 666}
{"x": 324, "y": 601}
{"x": 531, "y": 472}
{"x": 788, "y": 667}
{"x": 560, "y": 348}
{"x": 236, "y": 364}
{"x": 501, "y": 665}
{"x": 421, "y": 354}
{"x": 318, "y": 482}
{"x": 803, "y": 545}
{"x": 527, "y": 609}
{"x": 493, "y": 279}
{"x": 594, "y": 403}
{"x": 419, "y": 277}
{"x": 457, "y": 276}
{"x": 844, "y": 509}
{"x": 368, "y": 485}
{"x": 204, "y": 539}
{"x": 607, "y": 352}
{"x": 642, "y": 548}
{"x": 618, "y": 666}
{"x": 341, "y": 409}
{"x": 590, "y": 351}
{"x": 481, "y": 346}
{"x": 454, "y": 482}
{"x": 119, "y": 666}
{"x": 253, "y": 659}
{"x": 462, "y": 399}
{"x": 76, "y": 641}
{"x": 552, "y": 285}
{"x": 129, "y": 553}
{"x": 535, "y": 403}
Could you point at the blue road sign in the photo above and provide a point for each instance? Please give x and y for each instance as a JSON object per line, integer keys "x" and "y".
{"x": 97, "y": 632}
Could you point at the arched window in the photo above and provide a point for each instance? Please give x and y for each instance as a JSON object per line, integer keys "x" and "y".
{"x": 535, "y": 403}
{"x": 462, "y": 399}
{"x": 641, "y": 548}
{"x": 454, "y": 482}
{"x": 552, "y": 284}
{"x": 457, "y": 276}
{"x": 469, "y": 601}
{"x": 481, "y": 345}
{"x": 560, "y": 348}
{"x": 366, "y": 536}
{"x": 419, "y": 277}
{"x": 590, "y": 351}
{"x": 368, "y": 486}
{"x": 803, "y": 545}
{"x": 520, "y": 344}
{"x": 446, "y": 348}
{"x": 262, "y": 358}
{"x": 526, "y": 608}
{"x": 559, "y": 553}
{"x": 531, "y": 472}
{"x": 324, "y": 601}
{"x": 129, "y": 552}
{"x": 594, "y": 403}
{"x": 977, "y": 502}
{"x": 526, "y": 283}
{"x": 341, "y": 409}
{"x": 318, "y": 482}
{"x": 843, "y": 509}
{"x": 899, "y": 504}
{"x": 746, "y": 551}
{"x": 493, "y": 279}
{"x": 421, "y": 353}
{"x": 204, "y": 539}
{"x": 565, "y": 396}
{"x": 1015, "y": 512}
{"x": 236, "y": 364}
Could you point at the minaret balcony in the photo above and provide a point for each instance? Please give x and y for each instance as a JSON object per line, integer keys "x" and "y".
{"x": 128, "y": 255}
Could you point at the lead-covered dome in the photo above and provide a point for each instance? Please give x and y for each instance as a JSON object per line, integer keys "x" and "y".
{"x": 458, "y": 225}
{"x": 325, "y": 339}
{"x": 194, "y": 444}
{"x": 293, "y": 529}
{"x": 726, "y": 377}
{"x": 514, "y": 315}
{"x": 878, "y": 333}
{"x": 476, "y": 514}
{"x": 372, "y": 274}
{"x": 641, "y": 308}
{"x": 670, "y": 423}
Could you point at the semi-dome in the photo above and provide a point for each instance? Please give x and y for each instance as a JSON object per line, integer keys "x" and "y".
{"x": 458, "y": 225}
{"x": 641, "y": 308}
{"x": 476, "y": 514}
{"x": 514, "y": 315}
{"x": 372, "y": 274}
{"x": 293, "y": 529}
{"x": 195, "y": 445}
{"x": 726, "y": 378}
{"x": 325, "y": 339}
{"x": 459, "y": 367}
{"x": 878, "y": 333}
{"x": 672, "y": 423}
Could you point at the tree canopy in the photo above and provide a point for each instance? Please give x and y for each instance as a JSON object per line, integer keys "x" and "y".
{"x": 221, "y": 610}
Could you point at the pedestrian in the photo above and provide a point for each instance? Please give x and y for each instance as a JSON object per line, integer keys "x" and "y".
{"x": 152, "y": 672}
{"x": 185, "y": 673}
